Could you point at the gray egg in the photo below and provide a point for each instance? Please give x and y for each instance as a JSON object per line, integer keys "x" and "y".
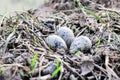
{"x": 81, "y": 43}
{"x": 56, "y": 42}
{"x": 66, "y": 34}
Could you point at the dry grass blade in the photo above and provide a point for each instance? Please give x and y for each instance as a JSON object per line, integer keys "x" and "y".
{"x": 8, "y": 39}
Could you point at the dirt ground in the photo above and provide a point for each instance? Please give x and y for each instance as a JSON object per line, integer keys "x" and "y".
{"x": 24, "y": 54}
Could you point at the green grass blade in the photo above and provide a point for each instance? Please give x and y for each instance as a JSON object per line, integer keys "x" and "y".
{"x": 57, "y": 63}
{"x": 33, "y": 62}
{"x": 94, "y": 15}
{"x": 1, "y": 70}
{"x": 77, "y": 52}
{"x": 89, "y": 12}
{"x": 56, "y": 71}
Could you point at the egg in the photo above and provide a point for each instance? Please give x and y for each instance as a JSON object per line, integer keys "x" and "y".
{"x": 56, "y": 42}
{"x": 81, "y": 43}
{"x": 66, "y": 34}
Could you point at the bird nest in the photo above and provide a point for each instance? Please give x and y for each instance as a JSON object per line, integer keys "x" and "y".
{"x": 25, "y": 55}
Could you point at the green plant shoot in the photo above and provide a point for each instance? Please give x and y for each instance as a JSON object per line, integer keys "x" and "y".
{"x": 1, "y": 71}
{"x": 57, "y": 63}
{"x": 56, "y": 71}
{"x": 90, "y": 12}
{"x": 58, "y": 67}
{"x": 77, "y": 52}
{"x": 33, "y": 62}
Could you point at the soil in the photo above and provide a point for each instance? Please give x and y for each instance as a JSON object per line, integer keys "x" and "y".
{"x": 24, "y": 54}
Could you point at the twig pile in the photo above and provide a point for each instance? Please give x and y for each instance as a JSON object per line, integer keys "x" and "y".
{"x": 25, "y": 55}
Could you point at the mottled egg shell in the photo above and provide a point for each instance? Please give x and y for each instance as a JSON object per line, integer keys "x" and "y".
{"x": 66, "y": 34}
{"x": 81, "y": 43}
{"x": 56, "y": 42}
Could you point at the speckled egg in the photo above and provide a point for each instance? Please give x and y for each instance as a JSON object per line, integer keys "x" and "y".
{"x": 66, "y": 34}
{"x": 81, "y": 43}
{"x": 56, "y": 42}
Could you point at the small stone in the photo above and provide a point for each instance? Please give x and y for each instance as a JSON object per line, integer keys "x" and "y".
{"x": 7, "y": 74}
{"x": 8, "y": 59}
{"x": 49, "y": 69}
{"x": 81, "y": 43}
{"x": 23, "y": 58}
{"x": 66, "y": 34}
{"x": 86, "y": 65}
{"x": 56, "y": 42}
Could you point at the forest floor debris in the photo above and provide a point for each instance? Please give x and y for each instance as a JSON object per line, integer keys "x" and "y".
{"x": 24, "y": 54}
